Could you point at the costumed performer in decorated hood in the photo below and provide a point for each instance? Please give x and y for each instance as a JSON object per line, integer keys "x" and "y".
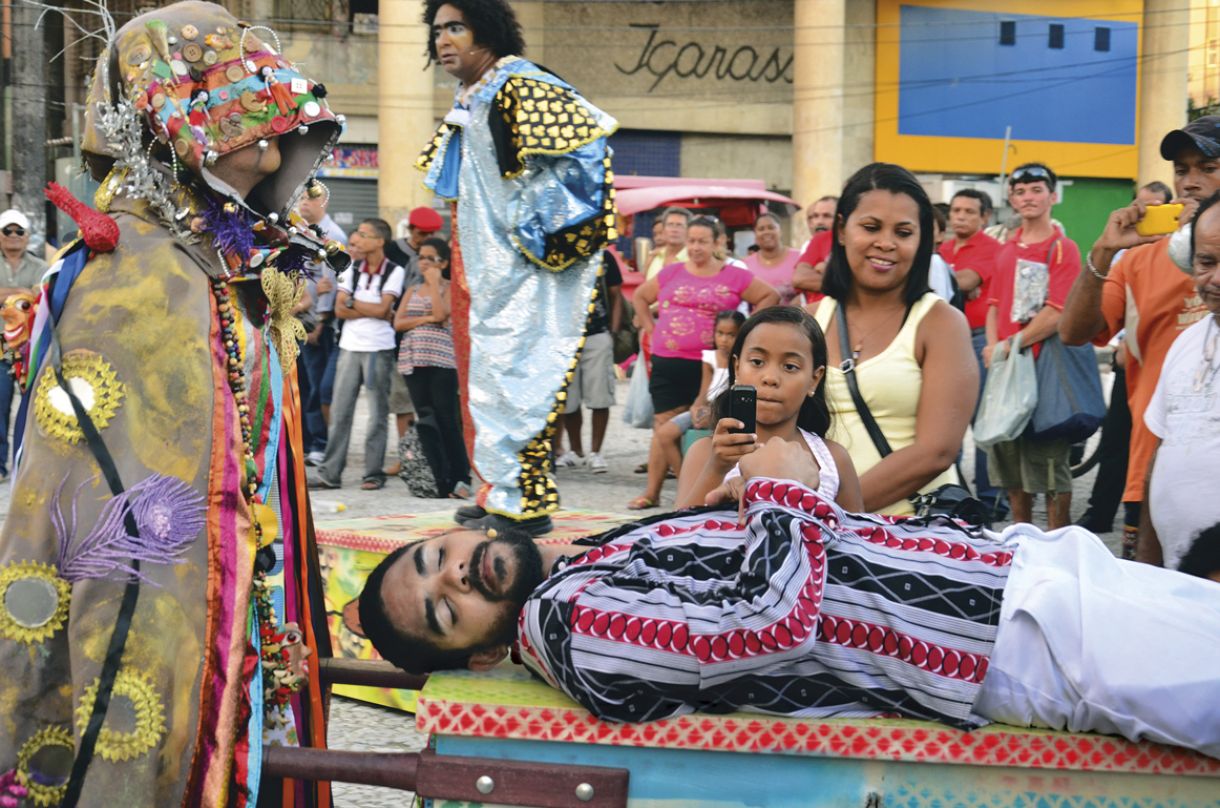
{"x": 159, "y": 596}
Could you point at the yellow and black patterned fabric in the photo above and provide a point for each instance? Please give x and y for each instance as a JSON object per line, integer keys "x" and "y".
{"x": 540, "y": 118}
{"x": 424, "y": 161}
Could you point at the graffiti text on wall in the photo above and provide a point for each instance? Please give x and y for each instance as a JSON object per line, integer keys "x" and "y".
{"x": 663, "y": 58}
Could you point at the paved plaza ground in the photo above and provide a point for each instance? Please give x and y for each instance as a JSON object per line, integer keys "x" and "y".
{"x": 363, "y": 727}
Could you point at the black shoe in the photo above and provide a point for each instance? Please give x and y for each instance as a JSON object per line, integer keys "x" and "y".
{"x": 537, "y": 526}
{"x": 469, "y": 513}
{"x": 1094, "y": 524}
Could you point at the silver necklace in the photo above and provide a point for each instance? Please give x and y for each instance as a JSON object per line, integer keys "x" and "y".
{"x": 1208, "y": 368}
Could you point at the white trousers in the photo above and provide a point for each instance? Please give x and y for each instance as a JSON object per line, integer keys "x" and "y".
{"x": 1088, "y": 642}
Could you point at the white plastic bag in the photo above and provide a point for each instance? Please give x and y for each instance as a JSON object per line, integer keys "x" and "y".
{"x": 638, "y": 412}
{"x": 1009, "y": 397}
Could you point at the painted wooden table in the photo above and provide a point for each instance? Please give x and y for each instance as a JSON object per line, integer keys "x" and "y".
{"x": 752, "y": 760}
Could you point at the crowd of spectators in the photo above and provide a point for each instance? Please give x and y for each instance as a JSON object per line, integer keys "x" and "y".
{"x": 896, "y": 308}
{"x": 913, "y": 302}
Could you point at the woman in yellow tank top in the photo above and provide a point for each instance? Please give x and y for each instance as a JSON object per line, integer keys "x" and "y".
{"x": 911, "y": 350}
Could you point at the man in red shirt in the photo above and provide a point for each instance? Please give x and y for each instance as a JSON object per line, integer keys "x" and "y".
{"x": 810, "y": 269}
{"x": 971, "y": 254}
{"x": 1024, "y": 309}
{"x": 1146, "y": 293}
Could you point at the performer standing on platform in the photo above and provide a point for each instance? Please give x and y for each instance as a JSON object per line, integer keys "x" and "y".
{"x": 524, "y": 160}
{"x": 159, "y": 588}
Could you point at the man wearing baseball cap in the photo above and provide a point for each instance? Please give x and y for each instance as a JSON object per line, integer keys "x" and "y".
{"x": 422, "y": 223}
{"x": 1146, "y": 291}
{"x": 21, "y": 272}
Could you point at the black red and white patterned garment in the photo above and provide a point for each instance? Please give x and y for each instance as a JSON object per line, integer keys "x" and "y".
{"x": 807, "y": 611}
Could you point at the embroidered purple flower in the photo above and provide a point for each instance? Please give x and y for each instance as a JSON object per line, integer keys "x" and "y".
{"x": 168, "y": 514}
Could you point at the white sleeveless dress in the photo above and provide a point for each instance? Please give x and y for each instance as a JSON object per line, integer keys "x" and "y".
{"x": 828, "y": 482}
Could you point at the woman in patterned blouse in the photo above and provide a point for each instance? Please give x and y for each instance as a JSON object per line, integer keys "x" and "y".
{"x": 426, "y": 361}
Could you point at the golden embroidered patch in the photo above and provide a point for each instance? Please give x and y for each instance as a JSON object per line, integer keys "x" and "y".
{"x": 93, "y": 381}
{"x": 147, "y": 714}
{"x": 33, "y": 601}
{"x": 44, "y": 764}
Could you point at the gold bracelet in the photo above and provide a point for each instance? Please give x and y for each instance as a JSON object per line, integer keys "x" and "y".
{"x": 1088, "y": 262}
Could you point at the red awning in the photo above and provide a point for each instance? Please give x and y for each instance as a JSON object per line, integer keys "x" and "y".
{"x": 696, "y": 194}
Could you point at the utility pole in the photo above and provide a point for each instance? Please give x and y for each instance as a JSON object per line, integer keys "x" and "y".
{"x": 29, "y": 120}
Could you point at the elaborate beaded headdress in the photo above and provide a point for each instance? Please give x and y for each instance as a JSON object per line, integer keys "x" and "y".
{"x": 179, "y": 87}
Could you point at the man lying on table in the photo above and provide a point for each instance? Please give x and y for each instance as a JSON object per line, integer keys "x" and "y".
{"x": 810, "y": 611}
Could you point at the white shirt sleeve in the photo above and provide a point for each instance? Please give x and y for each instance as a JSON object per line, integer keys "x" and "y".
{"x": 938, "y": 278}
{"x": 346, "y": 279}
{"x": 394, "y": 283}
{"x": 1156, "y": 417}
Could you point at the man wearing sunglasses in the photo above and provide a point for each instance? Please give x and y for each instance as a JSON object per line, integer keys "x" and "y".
{"x": 1034, "y": 270}
{"x": 21, "y": 271}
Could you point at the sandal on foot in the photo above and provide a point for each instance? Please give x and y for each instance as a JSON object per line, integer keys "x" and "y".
{"x": 461, "y": 491}
{"x": 372, "y": 485}
{"x": 642, "y": 503}
{"x": 642, "y": 468}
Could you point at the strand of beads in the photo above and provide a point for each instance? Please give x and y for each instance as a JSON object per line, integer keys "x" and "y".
{"x": 237, "y": 384}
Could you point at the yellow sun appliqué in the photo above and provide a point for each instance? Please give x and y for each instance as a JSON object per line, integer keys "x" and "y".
{"x": 286, "y": 331}
{"x": 42, "y": 793}
{"x": 33, "y": 601}
{"x": 93, "y": 381}
{"x": 146, "y": 707}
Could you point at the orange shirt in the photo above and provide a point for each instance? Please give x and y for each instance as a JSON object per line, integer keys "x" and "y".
{"x": 1155, "y": 301}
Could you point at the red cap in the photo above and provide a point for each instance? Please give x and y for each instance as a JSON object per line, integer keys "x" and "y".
{"x": 425, "y": 219}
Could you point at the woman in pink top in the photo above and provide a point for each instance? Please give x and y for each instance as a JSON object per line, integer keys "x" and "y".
{"x": 689, "y": 296}
{"x": 774, "y": 263}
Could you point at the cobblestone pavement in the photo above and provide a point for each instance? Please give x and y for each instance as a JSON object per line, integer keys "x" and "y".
{"x": 358, "y": 726}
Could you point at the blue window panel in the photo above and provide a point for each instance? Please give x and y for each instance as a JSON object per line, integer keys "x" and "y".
{"x": 958, "y": 80}
{"x": 1101, "y": 39}
{"x": 1008, "y": 32}
{"x": 647, "y": 154}
{"x": 1054, "y": 37}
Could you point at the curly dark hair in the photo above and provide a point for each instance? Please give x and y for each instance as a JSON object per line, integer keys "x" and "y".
{"x": 493, "y": 23}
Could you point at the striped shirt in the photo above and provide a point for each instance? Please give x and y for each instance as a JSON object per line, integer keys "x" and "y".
{"x": 427, "y": 345}
{"x": 807, "y": 611}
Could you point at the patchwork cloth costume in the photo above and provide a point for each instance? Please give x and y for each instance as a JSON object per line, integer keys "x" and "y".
{"x": 811, "y": 611}
{"x": 159, "y": 518}
{"x": 523, "y": 158}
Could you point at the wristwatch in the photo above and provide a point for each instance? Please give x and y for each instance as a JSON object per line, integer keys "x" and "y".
{"x": 350, "y": 302}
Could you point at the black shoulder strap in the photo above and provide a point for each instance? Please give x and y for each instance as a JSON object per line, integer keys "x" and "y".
{"x": 127, "y": 607}
{"x": 848, "y": 366}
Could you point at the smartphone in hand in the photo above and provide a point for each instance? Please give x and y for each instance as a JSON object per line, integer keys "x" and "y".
{"x": 1159, "y": 219}
{"x": 743, "y": 402}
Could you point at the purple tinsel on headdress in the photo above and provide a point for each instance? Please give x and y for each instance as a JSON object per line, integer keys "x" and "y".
{"x": 231, "y": 230}
{"x": 169, "y": 516}
{"x": 294, "y": 260}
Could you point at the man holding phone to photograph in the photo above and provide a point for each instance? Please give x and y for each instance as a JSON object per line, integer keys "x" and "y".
{"x": 1145, "y": 291}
